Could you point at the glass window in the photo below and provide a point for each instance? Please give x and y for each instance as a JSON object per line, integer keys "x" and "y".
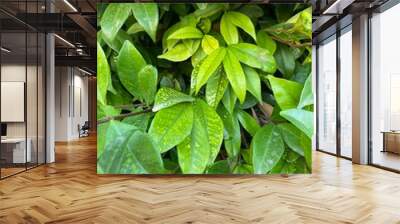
{"x": 385, "y": 89}
{"x": 346, "y": 92}
{"x": 327, "y": 96}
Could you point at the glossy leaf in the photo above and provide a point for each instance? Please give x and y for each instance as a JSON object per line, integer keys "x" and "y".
{"x": 219, "y": 167}
{"x": 242, "y": 21}
{"x": 172, "y": 125}
{"x": 187, "y": 32}
{"x": 287, "y": 93}
{"x": 248, "y": 122}
{"x": 113, "y": 18}
{"x": 228, "y": 30}
{"x": 302, "y": 119}
{"x": 202, "y": 146}
{"x": 229, "y": 99}
{"x": 216, "y": 87}
{"x": 129, "y": 63}
{"x": 266, "y": 42}
{"x": 182, "y": 51}
{"x": 167, "y": 97}
{"x": 232, "y": 139}
{"x": 145, "y": 154}
{"x": 209, "y": 66}
{"x": 141, "y": 121}
{"x": 103, "y": 75}
{"x": 285, "y": 60}
{"x": 254, "y": 56}
{"x": 268, "y": 148}
{"x": 147, "y": 16}
{"x": 307, "y": 97}
{"x": 253, "y": 82}
{"x": 235, "y": 75}
{"x": 294, "y": 138}
{"x": 147, "y": 83}
{"x": 209, "y": 44}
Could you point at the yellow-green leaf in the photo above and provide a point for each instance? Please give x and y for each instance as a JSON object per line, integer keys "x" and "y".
{"x": 228, "y": 30}
{"x": 187, "y": 32}
{"x": 254, "y": 56}
{"x": 181, "y": 51}
{"x": 103, "y": 76}
{"x": 235, "y": 75}
{"x": 286, "y": 92}
{"x": 242, "y": 21}
{"x": 167, "y": 97}
{"x": 216, "y": 87}
{"x": 209, "y": 44}
{"x": 208, "y": 66}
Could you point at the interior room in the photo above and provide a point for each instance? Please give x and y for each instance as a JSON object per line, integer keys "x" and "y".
{"x": 49, "y": 127}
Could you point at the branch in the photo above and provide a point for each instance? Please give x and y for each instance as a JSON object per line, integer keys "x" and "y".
{"x": 121, "y": 116}
{"x": 306, "y": 44}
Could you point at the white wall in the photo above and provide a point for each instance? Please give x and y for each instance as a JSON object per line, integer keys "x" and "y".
{"x": 71, "y": 94}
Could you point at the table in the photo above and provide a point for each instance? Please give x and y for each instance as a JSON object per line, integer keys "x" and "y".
{"x": 391, "y": 141}
{"x": 18, "y": 149}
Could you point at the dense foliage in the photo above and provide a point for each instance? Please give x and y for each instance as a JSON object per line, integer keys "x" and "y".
{"x": 204, "y": 88}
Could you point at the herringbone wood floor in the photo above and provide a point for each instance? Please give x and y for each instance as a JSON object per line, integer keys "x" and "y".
{"x": 69, "y": 191}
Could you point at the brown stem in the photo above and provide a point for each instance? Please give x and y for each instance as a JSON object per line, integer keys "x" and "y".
{"x": 253, "y": 112}
{"x": 306, "y": 44}
{"x": 118, "y": 117}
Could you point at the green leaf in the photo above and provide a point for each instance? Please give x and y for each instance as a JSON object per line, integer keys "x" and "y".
{"x": 302, "y": 119}
{"x": 113, "y": 19}
{"x": 268, "y": 148}
{"x": 219, "y": 167}
{"x": 266, "y": 42}
{"x": 232, "y": 139}
{"x": 147, "y": 83}
{"x": 229, "y": 99}
{"x": 202, "y": 146}
{"x": 146, "y": 15}
{"x": 228, "y": 30}
{"x": 103, "y": 76}
{"x": 307, "y": 97}
{"x": 285, "y": 60}
{"x": 115, "y": 155}
{"x": 248, "y": 122}
{"x": 208, "y": 66}
{"x": 182, "y": 51}
{"x": 129, "y": 63}
{"x": 242, "y": 21}
{"x": 171, "y": 125}
{"x": 106, "y": 110}
{"x": 243, "y": 169}
{"x": 253, "y": 82}
{"x": 101, "y": 138}
{"x": 145, "y": 154}
{"x": 135, "y": 28}
{"x": 141, "y": 121}
{"x": 209, "y": 44}
{"x": 187, "y": 32}
{"x": 167, "y": 97}
{"x": 294, "y": 138}
{"x": 247, "y": 155}
{"x": 254, "y": 56}
{"x": 287, "y": 93}
{"x": 235, "y": 75}
{"x": 216, "y": 87}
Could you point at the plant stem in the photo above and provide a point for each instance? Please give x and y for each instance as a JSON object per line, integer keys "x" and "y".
{"x": 121, "y": 116}
{"x": 306, "y": 44}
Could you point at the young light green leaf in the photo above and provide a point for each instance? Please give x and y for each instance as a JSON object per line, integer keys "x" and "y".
{"x": 202, "y": 146}
{"x": 181, "y": 51}
{"x": 266, "y": 42}
{"x": 129, "y": 63}
{"x": 248, "y": 122}
{"x": 116, "y": 154}
{"x": 145, "y": 153}
{"x": 302, "y": 119}
{"x": 253, "y": 82}
{"x": 167, "y": 97}
{"x": 208, "y": 67}
{"x": 268, "y": 148}
{"x": 242, "y": 21}
{"x": 294, "y": 138}
{"x": 285, "y": 60}
{"x": 229, "y": 99}
{"x": 147, "y": 83}
{"x": 209, "y": 44}
{"x": 103, "y": 75}
{"x": 113, "y": 19}
{"x": 146, "y": 15}
{"x": 228, "y": 30}
{"x": 172, "y": 125}
{"x": 216, "y": 87}
{"x": 235, "y": 75}
{"x": 254, "y": 56}
{"x": 307, "y": 97}
{"x": 286, "y": 92}
{"x": 232, "y": 139}
{"x": 187, "y": 32}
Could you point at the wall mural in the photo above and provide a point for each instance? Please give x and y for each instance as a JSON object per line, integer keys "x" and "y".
{"x": 204, "y": 88}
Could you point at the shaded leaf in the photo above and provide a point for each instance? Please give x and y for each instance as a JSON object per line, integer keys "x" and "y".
{"x": 232, "y": 139}
{"x": 285, "y": 60}
{"x": 147, "y": 83}
{"x": 229, "y": 99}
{"x": 219, "y": 167}
{"x": 248, "y": 122}
{"x": 266, "y": 42}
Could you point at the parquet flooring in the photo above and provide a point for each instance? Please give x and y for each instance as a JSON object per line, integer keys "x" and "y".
{"x": 70, "y": 191}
